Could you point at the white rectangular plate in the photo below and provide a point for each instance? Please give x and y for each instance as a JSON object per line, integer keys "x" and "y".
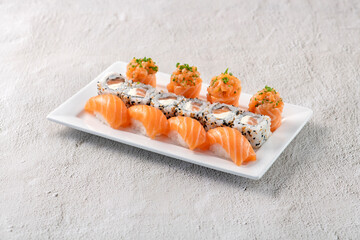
{"x": 71, "y": 114}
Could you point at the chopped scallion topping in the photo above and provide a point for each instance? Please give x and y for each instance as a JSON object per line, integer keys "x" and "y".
{"x": 225, "y": 80}
{"x": 186, "y": 66}
{"x": 268, "y": 89}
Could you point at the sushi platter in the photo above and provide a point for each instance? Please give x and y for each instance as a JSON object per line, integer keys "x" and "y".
{"x": 166, "y": 111}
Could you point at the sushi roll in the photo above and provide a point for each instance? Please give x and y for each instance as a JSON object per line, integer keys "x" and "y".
{"x": 185, "y": 81}
{"x": 255, "y": 127}
{"x": 148, "y": 121}
{"x": 219, "y": 115}
{"x": 109, "y": 109}
{"x": 138, "y": 93}
{"x": 268, "y": 102}
{"x": 113, "y": 83}
{"x": 167, "y": 103}
{"x": 142, "y": 70}
{"x": 229, "y": 143}
{"x": 192, "y": 107}
{"x": 187, "y": 132}
{"x": 224, "y": 88}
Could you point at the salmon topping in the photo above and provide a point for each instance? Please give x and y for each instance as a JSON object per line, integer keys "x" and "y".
{"x": 224, "y": 88}
{"x": 267, "y": 96}
{"x": 185, "y": 75}
{"x": 141, "y": 92}
{"x": 249, "y": 120}
{"x": 142, "y": 70}
{"x": 268, "y": 102}
{"x": 185, "y": 81}
{"x": 195, "y": 106}
{"x": 221, "y": 110}
{"x": 115, "y": 81}
{"x": 168, "y": 98}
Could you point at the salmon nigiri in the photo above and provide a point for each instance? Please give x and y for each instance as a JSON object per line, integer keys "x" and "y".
{"x": 110, "y": 109}
{"x": 185, "y": 81}
{"x": 268, "y": 102}
{"x": 230, "y": 143}
{"x": 149, "y": 120}
{"x": 187, "y": 131}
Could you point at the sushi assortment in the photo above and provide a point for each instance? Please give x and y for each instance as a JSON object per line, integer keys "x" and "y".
{"x": 216, "y": 124}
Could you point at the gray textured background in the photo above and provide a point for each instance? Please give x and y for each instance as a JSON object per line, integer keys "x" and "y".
{"x": 58, "y": 183}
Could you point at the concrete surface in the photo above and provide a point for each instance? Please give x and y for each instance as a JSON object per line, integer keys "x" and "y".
{"x": 58, "y": 183}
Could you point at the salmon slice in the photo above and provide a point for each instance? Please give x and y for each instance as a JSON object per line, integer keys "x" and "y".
{"x": 234, "y": 100}
{"x": 151, "y": 119}
{"x": 236, "y": 146}
{"x": 111, "y": 108}
{"x": 186, "y": 91}
{"x": 150, "y": 79}
{"x": 190, "y": 130}
{"x": 141, "y": 92}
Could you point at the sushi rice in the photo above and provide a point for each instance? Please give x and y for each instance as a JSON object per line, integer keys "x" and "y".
{"x": 177, "y": 139}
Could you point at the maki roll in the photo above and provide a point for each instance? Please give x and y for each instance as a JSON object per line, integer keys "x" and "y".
{"x": 138, "y": 93}
{"x": 185, "y": 81}
{"x": 167, "y": 103}
{"x": 113, "y": 83}
{"x": 142, "y": 70}
{"x": 268, "y": 102}
{"x": 255, "y": 127}
{"x": 224, "y": 88}
{"x": 192, "y": 107}
{"x": 219, "y": 115}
